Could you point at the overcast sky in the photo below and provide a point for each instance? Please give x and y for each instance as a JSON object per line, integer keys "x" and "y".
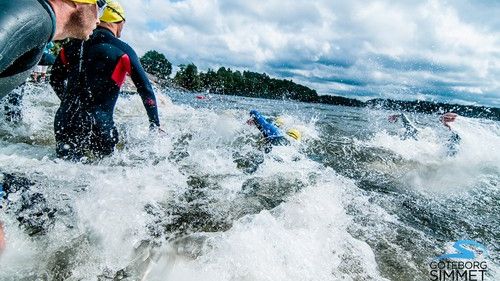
{"x": 433, "y": 50}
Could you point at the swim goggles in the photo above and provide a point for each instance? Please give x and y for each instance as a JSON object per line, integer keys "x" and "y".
{"x": 101, "y": 5}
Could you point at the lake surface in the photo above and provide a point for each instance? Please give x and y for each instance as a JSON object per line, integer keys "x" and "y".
{"x": 352, "y": 200}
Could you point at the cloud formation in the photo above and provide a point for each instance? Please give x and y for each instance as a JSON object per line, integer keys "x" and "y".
{"x": 435, "y": 50}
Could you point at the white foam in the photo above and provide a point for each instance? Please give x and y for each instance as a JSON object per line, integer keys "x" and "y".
{"x": 429, "y": 166}
{"x": 303, "y": 239}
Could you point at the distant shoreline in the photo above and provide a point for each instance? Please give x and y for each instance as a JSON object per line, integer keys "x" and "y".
{"x": 226, "y": 81}
{"x": 428, "y": 107}
{"x": 418, "y": 106}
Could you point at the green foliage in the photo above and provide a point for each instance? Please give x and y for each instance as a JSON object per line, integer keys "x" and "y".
{"x": 227, "y": 82}
{"x": 156, "y": 64}
{"x": 187, "y": 77}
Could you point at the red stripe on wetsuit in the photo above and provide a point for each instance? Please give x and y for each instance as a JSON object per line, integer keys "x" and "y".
{"x": 121, "y": 69}
{"x": 63, "y": 57}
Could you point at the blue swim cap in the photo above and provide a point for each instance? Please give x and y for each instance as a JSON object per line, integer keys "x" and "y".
{"x": 2, "y": 193}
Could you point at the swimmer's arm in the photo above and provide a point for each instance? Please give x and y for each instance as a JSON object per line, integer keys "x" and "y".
{"x": 144, "y": 89}
{"x": 410, "y": 128}
{"x": 265, "y": 127}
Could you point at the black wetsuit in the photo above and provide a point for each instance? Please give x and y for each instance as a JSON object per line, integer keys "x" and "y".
{"x": 453, "y": 144}
{"x": 87, "y": 77}
{"x": 26, "y": 26}
{"x": 410, "y": 130}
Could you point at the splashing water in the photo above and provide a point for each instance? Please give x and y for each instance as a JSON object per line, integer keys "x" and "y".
{"x": 352, "y": 201}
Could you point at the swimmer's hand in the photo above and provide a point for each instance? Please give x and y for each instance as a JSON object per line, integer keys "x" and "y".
{"x": 157, "y": 129}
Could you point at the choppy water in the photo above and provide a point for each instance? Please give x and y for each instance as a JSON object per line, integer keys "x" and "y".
{"x": 352, "y": 201}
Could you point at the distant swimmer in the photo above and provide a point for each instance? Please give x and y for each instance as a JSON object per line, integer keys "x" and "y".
{"x": 14, "y": 99}
{"x": 448, "y": 118}
{"x": 48, "y": 59}
{"x": 273, "y": 135}
{"x": 27, "y": 26}
{"x": 410, "y": 130}
{"x": 87, "y": 78}
{"x": 207, "y": 97}
{"x": 454, "y": 140}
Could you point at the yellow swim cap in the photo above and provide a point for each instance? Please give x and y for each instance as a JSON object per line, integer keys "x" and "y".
{"x": 100, "y": 3}
{"x": 279, "y": 121}
{"x": 85, "y": 1}
{"x": 114, "y": 12}
{"x": 294, "y": 133}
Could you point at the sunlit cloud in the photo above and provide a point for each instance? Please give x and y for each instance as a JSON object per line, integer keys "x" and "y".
{"x": 446, "y": 51}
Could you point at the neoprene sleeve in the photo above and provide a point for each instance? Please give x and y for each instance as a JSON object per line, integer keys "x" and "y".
{"x": 26, "y": 26}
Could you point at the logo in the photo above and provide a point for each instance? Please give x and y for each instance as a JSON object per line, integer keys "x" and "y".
{"x": 466, "y": 262}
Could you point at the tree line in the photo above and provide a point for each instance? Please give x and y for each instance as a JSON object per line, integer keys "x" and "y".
{"x": 226, "y": 81}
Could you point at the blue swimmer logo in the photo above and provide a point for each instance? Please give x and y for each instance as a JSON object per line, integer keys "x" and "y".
{"x": 464, "y": 253}
{"x": 464, "y": 263}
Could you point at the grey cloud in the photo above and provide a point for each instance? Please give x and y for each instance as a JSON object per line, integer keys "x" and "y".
{"x": 449, "y": 84}
{"x": 286, "y": 74}
{"x": 355, "y": 48}
{"x": 336, "y": 62}
{"x": 340, "y": 80}
{"x": 416, "y": 64}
